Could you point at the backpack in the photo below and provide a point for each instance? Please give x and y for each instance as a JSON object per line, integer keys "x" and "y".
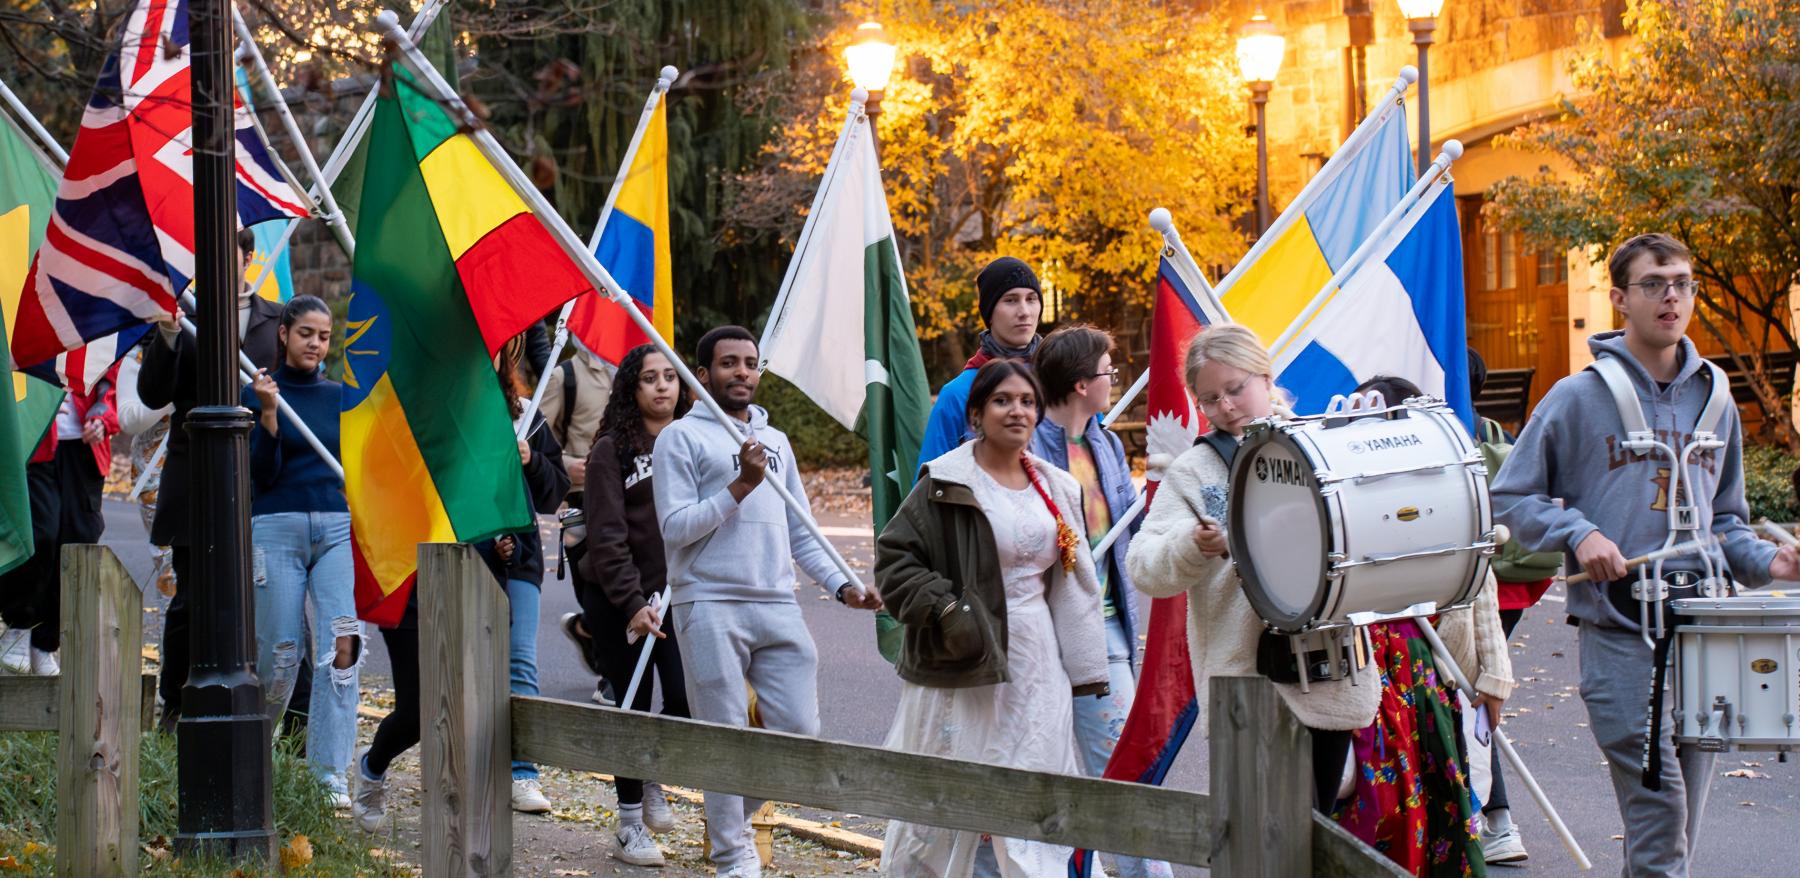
{"x": 1512, "y": 563}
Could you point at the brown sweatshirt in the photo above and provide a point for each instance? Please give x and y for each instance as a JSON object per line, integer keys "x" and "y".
{"x": 624, "y": 542}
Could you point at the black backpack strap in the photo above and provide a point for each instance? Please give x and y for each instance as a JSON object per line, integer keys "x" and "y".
{"x": 567, "y": 415}
{"x": 1224, "y": 444}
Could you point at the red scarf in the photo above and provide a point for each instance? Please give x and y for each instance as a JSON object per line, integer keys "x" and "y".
{"x": 1065, "y": 535}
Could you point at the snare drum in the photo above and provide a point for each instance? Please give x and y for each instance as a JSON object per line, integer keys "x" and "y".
{"x": 1336, "y": 515}
{"x": 1737, "y": 673}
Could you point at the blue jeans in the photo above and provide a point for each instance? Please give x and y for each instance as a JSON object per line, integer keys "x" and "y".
{"x": 1098, "y": 723}
{"x": 524, "y": 598}
{"x": 297, "y": 555}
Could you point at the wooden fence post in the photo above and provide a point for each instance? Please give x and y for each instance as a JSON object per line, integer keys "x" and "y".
{"x": 98, "y": 715}
{"x": 466, "y": 764}
{"x": 1262, "y": 781}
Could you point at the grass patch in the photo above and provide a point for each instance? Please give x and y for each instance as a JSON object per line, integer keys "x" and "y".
{"x": 304, "y": 817}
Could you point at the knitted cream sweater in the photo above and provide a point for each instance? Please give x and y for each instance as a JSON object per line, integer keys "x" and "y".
{"x": 1478, "y": 643}
{"x": 1222, "y": 628}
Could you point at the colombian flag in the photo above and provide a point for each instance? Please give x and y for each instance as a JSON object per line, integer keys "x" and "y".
{"x": 1319, "y": 231}
{"x": 634, "y": 249}
{"x": 450, "y": 263}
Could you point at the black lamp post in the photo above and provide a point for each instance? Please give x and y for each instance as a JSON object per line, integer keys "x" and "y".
{"x": 1259, "y": 50}
{"x": 225, "y": 794}
{"x": 1421, "y": 19}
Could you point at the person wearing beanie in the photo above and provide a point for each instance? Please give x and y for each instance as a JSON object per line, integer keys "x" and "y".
{"x": 1011, "y": 301}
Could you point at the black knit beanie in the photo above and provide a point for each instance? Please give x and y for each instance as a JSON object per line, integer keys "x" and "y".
{"x": 1005, "y": 273}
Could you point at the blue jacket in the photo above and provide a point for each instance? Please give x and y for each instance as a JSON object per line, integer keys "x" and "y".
{"x": 286, "y": 474}
{"x": 948, "y": 425}
{"x": 1051, "y": 443}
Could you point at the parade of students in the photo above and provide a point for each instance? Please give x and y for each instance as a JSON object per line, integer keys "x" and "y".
{"x": 620, "y": 576}
{"x": 986, "y": 566}
{"x": 1075, "y": 366}
{"x": 1182, "y": 547}
{"x": 301, "y": 555}
{"x": 1614, "y": 506}
{"x": 1011, "y": 302}
{"x": 732, "y": 545}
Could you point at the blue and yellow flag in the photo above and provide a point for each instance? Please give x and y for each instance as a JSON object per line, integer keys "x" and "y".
{"x": 1316, "y": 234}
{"x": 634, "y": 249}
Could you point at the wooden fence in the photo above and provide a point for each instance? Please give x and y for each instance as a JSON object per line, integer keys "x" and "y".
{"x": 1258, "y": 820}
{"x": 99, "y": 707}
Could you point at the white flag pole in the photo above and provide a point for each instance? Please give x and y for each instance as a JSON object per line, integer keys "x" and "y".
{"x": 1506, "y": 749}
{"x": 663, "y": 82}
{"x": 1451, "y": 152}
{"x": 389, "y": 24}
{"x": 252, "y": 56}
{"x": 32, "y": 124}
{"x": 1365, "y": 130}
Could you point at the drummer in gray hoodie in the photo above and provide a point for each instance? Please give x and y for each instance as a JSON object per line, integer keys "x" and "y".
{"x": 1614, "y": 506}
{"x": 732, "y": 545}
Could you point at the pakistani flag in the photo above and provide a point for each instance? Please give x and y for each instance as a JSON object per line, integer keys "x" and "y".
{"x": 842, "y": 327}
{"x": 28, "y": 181}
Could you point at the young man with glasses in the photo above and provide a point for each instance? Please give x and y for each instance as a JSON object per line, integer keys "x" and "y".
{"x": 1614, "y": 506}
{"x": 1076, "y": 368}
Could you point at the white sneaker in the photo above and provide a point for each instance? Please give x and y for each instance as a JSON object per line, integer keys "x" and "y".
{"x": 658, "y": 816}
{"x": 1504, "y": 847}
{"x": 369, "y": 804}
{"x": 340, "y": 801}
{"x": 636, "y": 846}
{"x": 15, "y": 651}
{"x": 742, "y": 870}
{"x": 44, "y": 664}
{"x": 528, "y": 798}
{"x": 601, "y": 695}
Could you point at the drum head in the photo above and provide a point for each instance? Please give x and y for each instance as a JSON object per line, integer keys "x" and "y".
{"x": 1278, "y": 530}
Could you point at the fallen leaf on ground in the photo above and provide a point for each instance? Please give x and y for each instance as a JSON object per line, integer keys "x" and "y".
{"x": 299, "y": 852}
{"x": 1745, "y": 772}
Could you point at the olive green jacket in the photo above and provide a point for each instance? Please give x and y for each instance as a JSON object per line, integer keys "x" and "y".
{"x": 939, "y": 573}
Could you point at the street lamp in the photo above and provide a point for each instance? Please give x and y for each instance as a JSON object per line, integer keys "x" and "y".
{"x": 1259, "y": 51}
{"x": 1421, "y": 18}
{"x": 871, "y": 61}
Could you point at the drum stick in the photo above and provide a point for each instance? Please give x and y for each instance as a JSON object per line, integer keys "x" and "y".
{"x": 1778, "y": 533}
{"x": 1506, "y": 750}
{"x": 1651, "y": 558}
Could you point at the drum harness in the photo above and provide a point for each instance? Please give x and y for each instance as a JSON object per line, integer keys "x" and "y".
{"x": 1652, "y": 588}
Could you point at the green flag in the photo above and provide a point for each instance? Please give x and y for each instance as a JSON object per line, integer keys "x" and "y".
{"x": 28, "y": 182}
{"x": 845, "y": 286}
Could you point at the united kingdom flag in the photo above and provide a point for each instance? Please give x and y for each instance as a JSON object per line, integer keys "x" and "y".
{"x": 120, "y": 245}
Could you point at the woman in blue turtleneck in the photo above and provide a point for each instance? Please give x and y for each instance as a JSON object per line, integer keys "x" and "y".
{"x": 300, "y": 527}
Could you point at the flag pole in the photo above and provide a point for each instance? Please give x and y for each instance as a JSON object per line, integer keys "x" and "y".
{"x": 32, "y": 124}
{"x": 663, "y": 82}
{"x": 340, "y": 153}
{"x": 1364, "y": 131}
{"x": 1173, "y": 248}
{"x": 389, "y": 24}
{"x": 1433, "y": 175}
{"x": 858, "y": 98}
{"x": 251, "y": 56}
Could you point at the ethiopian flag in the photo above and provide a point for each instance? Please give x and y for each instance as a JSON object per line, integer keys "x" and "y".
{"x": 28, "y": 182}
{"x": 842, "y": 329}
{"x": 450, "y": 264}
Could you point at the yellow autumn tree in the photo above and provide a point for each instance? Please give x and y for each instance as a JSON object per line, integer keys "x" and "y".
{"x": 1043, "y": 129}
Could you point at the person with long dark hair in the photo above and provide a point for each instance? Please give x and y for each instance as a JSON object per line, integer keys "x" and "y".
{"x": 300, "y": 533}
{"x": 987, "y": 567}
{"x": 620, "y": 575}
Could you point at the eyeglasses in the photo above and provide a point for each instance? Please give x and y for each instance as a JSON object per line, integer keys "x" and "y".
{"x": 1656, "y": 288}
{"x": 1110, "y": 374}
{"x": 1232, "y": 392}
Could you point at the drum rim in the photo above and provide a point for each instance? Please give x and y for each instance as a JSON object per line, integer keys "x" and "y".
{"x": 1274, "y": 617}
{"x": 1737, "y": 607}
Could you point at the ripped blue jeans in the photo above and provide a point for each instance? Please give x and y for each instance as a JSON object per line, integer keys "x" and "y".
{"x": 298, "y": 555}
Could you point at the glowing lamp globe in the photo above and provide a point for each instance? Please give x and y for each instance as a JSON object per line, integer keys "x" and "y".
{"x": 871, "y": 57}
{"x": 1259, "y": 50}
{"x": 1417, "y": 9}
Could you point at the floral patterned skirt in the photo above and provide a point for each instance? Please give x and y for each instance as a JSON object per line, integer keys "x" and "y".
{"x": 1412, "y": 798}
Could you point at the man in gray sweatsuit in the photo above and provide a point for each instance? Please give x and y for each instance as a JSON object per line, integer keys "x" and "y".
{"x": 1614, "y": 506}
{"x": 731, "y": 546}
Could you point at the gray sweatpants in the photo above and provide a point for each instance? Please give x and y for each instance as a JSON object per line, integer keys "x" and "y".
{"x": 723, "y": 645}
{"x": 1661, "y": 828}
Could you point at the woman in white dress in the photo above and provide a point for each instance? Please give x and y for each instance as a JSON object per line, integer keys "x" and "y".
{"x": 987, "y": 568}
